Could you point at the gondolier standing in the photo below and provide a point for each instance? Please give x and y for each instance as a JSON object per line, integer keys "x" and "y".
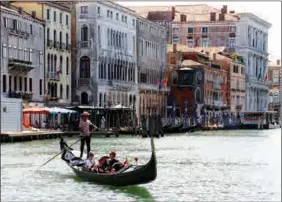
{"x": 84, "y": 127}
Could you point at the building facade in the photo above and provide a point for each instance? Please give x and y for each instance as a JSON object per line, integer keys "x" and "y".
{"x": 253, "y": 46}
{"x": 274, "y": 81}
{"x": 106, "y": 55}
{"x": 22, "y": 55}
{"x": 58, "y": 49}
{"x": 151, "y": 61}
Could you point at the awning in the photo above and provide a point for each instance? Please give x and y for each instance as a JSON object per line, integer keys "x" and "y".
{"x": 58, "y": 110}
{"x": 36, "y": 110}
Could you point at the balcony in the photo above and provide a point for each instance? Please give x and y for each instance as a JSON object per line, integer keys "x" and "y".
{"x": 21, "y": 95}
{"x": 49, "y": 43}
{"x": 216, "y": 86}
{"x": 84, "y": 44}
{"x": 145, "y": 87}
{"x": 53, "y": 76}
{"x": 121, "y": 85}
{"x": 19, "y": 33}
{"x": 20, "y": 66}
{"x": 84, "y": 81}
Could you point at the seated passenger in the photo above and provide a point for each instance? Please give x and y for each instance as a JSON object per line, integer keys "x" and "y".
{"x": 90, "y": 164}
{"x": 111, "y": 163}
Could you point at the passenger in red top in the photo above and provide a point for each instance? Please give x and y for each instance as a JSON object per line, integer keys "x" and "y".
{"x": 84, "y": 125}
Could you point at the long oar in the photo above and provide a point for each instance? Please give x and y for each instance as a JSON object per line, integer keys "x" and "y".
{"x": 58, "y": 154}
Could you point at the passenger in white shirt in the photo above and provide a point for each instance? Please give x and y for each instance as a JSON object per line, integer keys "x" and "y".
{"x": 90, "y": 164}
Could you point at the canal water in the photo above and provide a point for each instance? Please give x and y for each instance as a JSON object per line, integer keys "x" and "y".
{"x": 203, "y": 166}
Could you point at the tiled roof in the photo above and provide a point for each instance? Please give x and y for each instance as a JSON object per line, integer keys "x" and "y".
{"x": 194, "y": 13}
{"x": 190, "y": 63}
{"x": 199, "y": 13}
{"x": 159, "y": 15}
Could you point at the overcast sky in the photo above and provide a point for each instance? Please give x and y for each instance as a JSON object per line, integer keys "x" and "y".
{"x": 269, "y": 11}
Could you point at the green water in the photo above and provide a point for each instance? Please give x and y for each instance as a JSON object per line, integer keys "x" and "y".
{"x": 202, "y": 166}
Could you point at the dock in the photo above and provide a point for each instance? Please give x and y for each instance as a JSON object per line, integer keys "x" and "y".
{"x": 10, "y": 137}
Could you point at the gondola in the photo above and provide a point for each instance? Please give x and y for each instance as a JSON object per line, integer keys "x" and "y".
{"x": 129, "y": 175}
{"x": 174, "y": 128}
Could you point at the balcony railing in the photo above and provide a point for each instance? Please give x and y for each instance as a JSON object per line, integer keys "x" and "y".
{"x": 84, "y": 81}
{"x": 20, "y": 95}
{"x": 18, "y": 33}
{"x": 216, "y": 85}
{"x": 84, "y": 44}
{"x": 53, "y": 76}
{"x": 19, "y": 65}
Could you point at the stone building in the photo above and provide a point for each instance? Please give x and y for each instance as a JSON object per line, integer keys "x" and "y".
{"x": 274, "y": 81}
{"x": 151, "y": 61}
{"x": 106, "y": 54}
{"x": 253, "y": 46}
{"x": 58, "y": 49}
{"x": 22, "y": 55}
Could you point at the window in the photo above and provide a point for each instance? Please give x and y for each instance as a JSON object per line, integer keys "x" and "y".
{"x": 204, "y": 30}
{"x": 125, "y": 19}
{"x": 21, "y": 83}
{"x": 175, "y": 30}
{"x": 30, "y": 84}
{"x": 61, "y": 18}
{"x": 84, "y": 9}
{"x": 15, "y": 53}
{"x": 67, "y": 66}
{"x": 40, "y": 86}
{"x": 190, "y": 29}
{"x": 61, "y": 91}
{"x": 30, "y": 55}
{"x": 232, "y": 42}
{"x": 122, "y": 18}
{"x": 133, "y": 22}
{"x": 15, "y": 83}
{"x": 48, "y": 36}
{"x": 15, "y": 24}
{"x": 21, "y": 54}
{"x": 235, "y": 69}
{"x": 4, "y": 54}
{"x": 55, "y": 16}
{"x": 99, "y": 36}
{"x": 5, "y": 22}
{"x": 48, "y": 14}
{"x": 205, "y": 42}
{"x": 232, "y": 29}
{"x": 67, "y": 20}
{"x": 60, "y": 36}
{"x": 111, "y": 14}
{"x": 84, "y": 33}
{"x": 4, "y": 83}
{"x": 190, "y": 43}
{"x": 117, "y": 16}
{"x": 25, "y": 84}
{"x": 67, "y": 40}
{"x": 10, "y": 83}
{"x": 108, "y": 13}
{"x": 99, "y": 10}
{"x": 30, "y": 27}
{"x": 68, "y": 89}
{"x": 175, "y": 40}
{"x": 275, "y": 77}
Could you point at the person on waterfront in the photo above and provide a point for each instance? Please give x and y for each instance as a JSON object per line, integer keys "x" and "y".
{"x": 84, "y": 125}
{"x": 103, "y": 123}
{"x": 111, "y": 163}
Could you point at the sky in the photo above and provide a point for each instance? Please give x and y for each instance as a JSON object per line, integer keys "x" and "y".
{"x": 269, "y": 11}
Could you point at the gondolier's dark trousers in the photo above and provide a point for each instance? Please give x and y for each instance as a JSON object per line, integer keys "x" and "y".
{"x": 86, "y": 139}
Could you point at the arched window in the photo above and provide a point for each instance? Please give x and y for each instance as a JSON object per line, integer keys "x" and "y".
{"x": 60, "y": 39}
{"x": 84, "y": 33}
{"x": 48, "y": 36}
{"x": 84, "y": 98}
{"x": 84, "y": 65}
{"x": 67, "y": 66}
{"x": 67, "y": 92}
{"x": 52, "y": 64}
{"x": 61, "y": 63}
{"x": 100, "y": 99}
{"x": 55, "y": 63}
{"x": 174, "y": 78}
{"x": 67, "y": 41}
{"x": 99, "y": 36}
{"x": 48, "y": 62}
{"x": 55, "y": 38}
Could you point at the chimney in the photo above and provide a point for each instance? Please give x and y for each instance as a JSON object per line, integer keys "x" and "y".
{"x": 174, "y": 48}
{"x": 221, "y": 17}
{"x": 278, "y": 62}
{"x": 20, "y": 10}
{"x": 212, "y": 16}
{"x": 33, "y": 14}
{"x": 214, "y": 56}
{"x": 232, "y": 12}
{"x": 182, "y": 18}
{"x": 172, "y": 12}
{"x": 224, "y": 9}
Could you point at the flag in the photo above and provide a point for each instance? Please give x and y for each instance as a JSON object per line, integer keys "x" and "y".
{"x": 266, "y": 78}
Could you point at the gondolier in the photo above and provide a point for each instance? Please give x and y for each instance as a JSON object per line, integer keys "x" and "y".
{"x": 84, "y": 127}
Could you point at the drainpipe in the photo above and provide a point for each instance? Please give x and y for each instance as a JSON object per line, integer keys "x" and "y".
{"x": 44, "y": 64}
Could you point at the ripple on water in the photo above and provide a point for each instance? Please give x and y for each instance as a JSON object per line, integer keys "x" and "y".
{"x": 204, "y": 166}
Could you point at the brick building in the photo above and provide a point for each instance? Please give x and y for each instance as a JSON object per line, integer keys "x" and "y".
{"x": 195, "y": 79}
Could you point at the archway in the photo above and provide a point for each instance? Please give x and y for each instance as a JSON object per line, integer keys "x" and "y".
{"x": 84, "y": 98}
